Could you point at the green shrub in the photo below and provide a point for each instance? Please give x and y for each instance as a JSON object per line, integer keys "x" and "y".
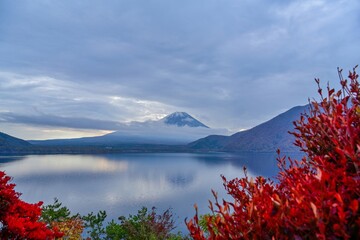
{"x": 144, "y": 226}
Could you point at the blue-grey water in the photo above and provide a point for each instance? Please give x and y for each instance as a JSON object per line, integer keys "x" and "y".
{"x": 123, "y": 183}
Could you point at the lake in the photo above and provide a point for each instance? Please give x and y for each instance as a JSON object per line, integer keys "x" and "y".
{"x": 122, "y": 183}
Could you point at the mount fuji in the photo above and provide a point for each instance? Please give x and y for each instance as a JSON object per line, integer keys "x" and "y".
{"x": 175, "y": 129}
{"x": 182, "y": 119}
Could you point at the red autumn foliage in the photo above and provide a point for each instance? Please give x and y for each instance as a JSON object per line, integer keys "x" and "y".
{"x": 314, "y": 198}
{"x": 18, "y": 219}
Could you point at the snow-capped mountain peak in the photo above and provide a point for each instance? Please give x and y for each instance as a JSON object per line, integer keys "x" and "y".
{"x": 182, "y": 119}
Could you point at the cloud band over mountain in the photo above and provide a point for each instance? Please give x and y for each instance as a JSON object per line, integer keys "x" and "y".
{"x": 58, "y": 121}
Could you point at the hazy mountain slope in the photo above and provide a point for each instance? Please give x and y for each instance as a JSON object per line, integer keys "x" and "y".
{"x": 10, "y": 141}
{"x": 211, "y": 143}
{"x": 12, "y": 145}
{"x": 267, "y": 136}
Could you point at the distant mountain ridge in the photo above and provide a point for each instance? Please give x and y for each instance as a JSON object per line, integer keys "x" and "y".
{"x": 178, "y": 128}
{"x": 167, "y": 136}
{"x": 266, "y": 137}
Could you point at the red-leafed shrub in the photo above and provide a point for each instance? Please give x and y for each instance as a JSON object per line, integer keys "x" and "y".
{"x": 314, "y": 198}
{"x": 18, "y": 219}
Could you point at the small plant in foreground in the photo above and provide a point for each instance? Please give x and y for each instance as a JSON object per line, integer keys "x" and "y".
{"x": 56, "y": 215}
{"x": 95, "y": 224}
{"x": 143, "y": 226}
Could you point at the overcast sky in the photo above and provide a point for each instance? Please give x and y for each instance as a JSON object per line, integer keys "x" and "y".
{"x": 78, "y": 68}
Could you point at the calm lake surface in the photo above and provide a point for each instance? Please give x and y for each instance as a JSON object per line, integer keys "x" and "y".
{"x": 122, "y": 183}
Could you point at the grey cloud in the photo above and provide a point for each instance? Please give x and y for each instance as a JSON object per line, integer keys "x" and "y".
{"x": 233, "y": 64}
{"x": 58, "y": 121}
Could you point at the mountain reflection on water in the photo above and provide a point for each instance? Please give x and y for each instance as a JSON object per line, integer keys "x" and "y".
{"x": 123, "y": 183}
